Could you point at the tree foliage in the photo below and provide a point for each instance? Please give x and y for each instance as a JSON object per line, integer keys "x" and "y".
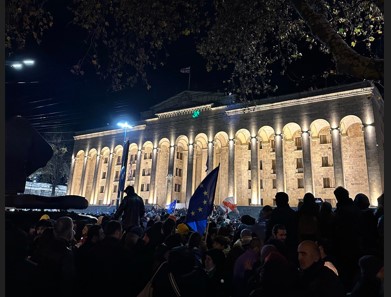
{"x": 258, "y": 41}
{"x": 25, "y": 19}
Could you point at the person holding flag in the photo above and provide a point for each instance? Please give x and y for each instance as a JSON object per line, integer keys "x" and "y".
{"x": 171, "y": 207}
{"x": 201, "y": 202}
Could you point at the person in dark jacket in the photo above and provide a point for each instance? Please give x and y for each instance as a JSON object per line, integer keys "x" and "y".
{"x": 132, "y": 209}
{"x": 316, "y": 279}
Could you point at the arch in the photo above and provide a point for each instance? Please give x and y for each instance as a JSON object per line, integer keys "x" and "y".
{"x": 242, "y": 136}
{"x": 290, "y": 130}
{"x": 78, "y": 172}
{"x": 89, "y": 175}
{"x": 182, "y": 142}
{"x": 347, "y": 122}
{"x": 148, "y": 144}
{"x": 317, "y": 126}
{"x": 221, "y": 139}
{"x": 221, "y": 156}
{"x": 265, "y": 133}
{"x": 201, "y": 141}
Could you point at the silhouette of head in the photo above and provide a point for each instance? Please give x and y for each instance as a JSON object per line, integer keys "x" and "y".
{"x": 129, "y": 190}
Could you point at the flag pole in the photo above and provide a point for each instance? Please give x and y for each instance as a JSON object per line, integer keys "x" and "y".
{"x": 207, "y": 229}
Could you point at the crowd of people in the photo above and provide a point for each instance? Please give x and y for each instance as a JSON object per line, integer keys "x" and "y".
{"x": 312, "y": 251}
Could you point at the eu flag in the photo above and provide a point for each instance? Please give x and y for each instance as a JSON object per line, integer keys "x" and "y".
{"x": 201, "y": 202}
{"x": 171, "y": 207}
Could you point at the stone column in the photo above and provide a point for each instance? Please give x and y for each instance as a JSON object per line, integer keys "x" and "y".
{"x": 138, "y": 171}
{"x": 83, "y": 176}
{"x": 373, "y": 166}
{"x": 210, "y": 156}
{"x": 170, "y": 173}
{"x": 152, "y": 190}
{"x": 95, "y": 179}
{"x": 231, "y": 168}
{"x": 308, "y": 180}
{"x": 108, "y": 179}
{"x": 280, "y": 181}
{"x": 255, "y": 199}
{"x": 72, "y": 172}
{"x": 189, "y": 173}
{"x": 337, "y": 157}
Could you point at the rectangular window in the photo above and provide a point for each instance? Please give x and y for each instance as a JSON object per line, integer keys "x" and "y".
{"x": 106, "y": 160}
{"x": 119, "y": 160}
{"x": 179, "y": 155}
{"x": 326, "y": 182}
{"x": 143, "y": 173}
{"x": 299, "y": 165}
{"x": 131, "y": 158}
{"x": 260, "y": 165}
{"x": 300, "y": 183}
{"x": 262, "y": 201}
{"x": 103, "y": 174}
{"x": 147, "y": 187}
{"x": 298, "y": 143}
{"x": 260, "y": 145}
{"x": 100, "y": 202}
{"x": 177, "y": 188}
{"x": 325, "y": 162}
{"x": 249, "y": 201}
{"x": 102, "y": 189}
{"x": 178, "y": 172}
{"x": 145, "y": 156}
{"x": 142, "y": 187}
{"x": 249, "y": 165}
{"x": 273, "y": 166}
{"x": 261, "y": 184}
{"x": 249, "y": 184}
{"x": 249, "y": 146}
{"x": 274, "y": 183}
{"x": 116, "y": 175}
{"x": 324, "y": 139}
{"x": 115, "y": 189}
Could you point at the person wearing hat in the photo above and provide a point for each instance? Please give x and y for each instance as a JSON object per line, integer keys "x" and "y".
{"x": 131, "y": 208}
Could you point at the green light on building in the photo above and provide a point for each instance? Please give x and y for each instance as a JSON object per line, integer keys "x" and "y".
{"x": 196, "y": 113}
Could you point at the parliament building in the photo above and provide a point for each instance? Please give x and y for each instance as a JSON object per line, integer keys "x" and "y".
{"x": 304, "y": 142}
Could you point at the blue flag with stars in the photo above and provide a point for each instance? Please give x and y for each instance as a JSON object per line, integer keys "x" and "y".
{"x": 201, "y": 202}
{"x": 171, "y": 207}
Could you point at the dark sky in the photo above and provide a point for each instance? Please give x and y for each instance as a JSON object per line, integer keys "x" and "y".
{"x": 55, "y": 100}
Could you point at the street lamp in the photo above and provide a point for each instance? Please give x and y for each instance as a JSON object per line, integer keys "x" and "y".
{"x": 19, "y": 64}
{"x": 124, "y": 161}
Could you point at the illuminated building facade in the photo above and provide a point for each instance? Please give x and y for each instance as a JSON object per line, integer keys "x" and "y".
{"x": 298, "y": 143}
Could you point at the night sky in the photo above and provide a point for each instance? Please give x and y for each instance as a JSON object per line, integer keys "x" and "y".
{"x": 55, "y": 100}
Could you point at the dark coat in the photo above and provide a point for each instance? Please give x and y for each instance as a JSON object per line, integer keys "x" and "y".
{"x": 132, "y": 209}
{"x": 320, "y": 281}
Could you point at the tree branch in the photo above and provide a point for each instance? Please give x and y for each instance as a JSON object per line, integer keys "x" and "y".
{"x": 347, "y": 60}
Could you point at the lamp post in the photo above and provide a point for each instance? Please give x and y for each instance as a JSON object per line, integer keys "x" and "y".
{"x": 20, "y": 64}
{"x": 124, "y": 161}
